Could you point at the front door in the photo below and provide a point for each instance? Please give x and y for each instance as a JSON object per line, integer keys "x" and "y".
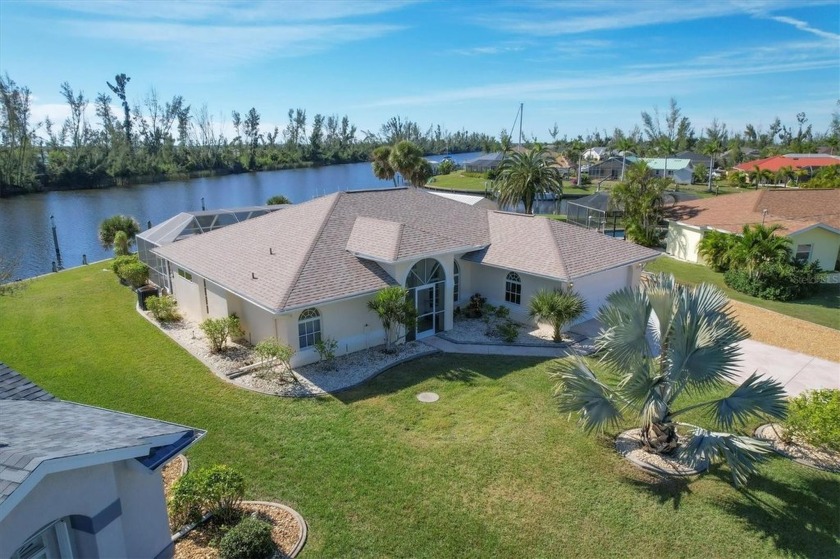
{"x": 424, "y": 301}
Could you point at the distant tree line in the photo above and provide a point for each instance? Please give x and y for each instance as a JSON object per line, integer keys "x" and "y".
{"x": 158, "y": 139}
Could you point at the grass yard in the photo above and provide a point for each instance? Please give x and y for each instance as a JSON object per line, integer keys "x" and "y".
{"x": 459, "y": 180}
{"x": 491, "y": 470}
{"x": 822, "y": 308}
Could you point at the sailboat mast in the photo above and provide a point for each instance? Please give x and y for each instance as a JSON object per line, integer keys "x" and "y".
{"x": 521, "y": 114}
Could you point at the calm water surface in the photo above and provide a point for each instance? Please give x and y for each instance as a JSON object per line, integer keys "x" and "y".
{"x": 26, "y": 236}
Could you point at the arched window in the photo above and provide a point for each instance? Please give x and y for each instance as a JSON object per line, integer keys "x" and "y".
{"x": 426, "y": 283}
{"x": 513, "y": 288}
{"x": 55, "y": 540}
{"x": 456, "y": 276}
{"x": 309, "y": 328}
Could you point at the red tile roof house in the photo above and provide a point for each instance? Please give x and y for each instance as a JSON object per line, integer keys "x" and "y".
{"x": 810, "y": 218}
{"x": 307, "y": 271}
{"x": 80, "y": 481}
{"x": 811, "y": 162}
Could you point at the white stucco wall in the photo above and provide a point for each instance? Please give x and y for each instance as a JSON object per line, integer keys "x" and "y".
{"x": 188, "y": 295}
{"x": 217, "y": 302}
{"x": 595, "y": 288}
{"x": 682, "y": 240}
{"x": 825, "y": 245}
{"x": 140, "y": 531}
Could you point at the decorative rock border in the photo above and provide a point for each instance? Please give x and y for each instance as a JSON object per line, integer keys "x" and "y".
{"x": 304, "y": 530}
{"x": 624, "y": 440}
{"x": 760, "y": 433}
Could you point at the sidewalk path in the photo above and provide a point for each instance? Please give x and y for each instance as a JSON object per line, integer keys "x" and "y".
{"x": 796, "y": 371}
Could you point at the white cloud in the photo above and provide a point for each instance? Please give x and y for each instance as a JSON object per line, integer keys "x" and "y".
{"x": 804, "y": 26}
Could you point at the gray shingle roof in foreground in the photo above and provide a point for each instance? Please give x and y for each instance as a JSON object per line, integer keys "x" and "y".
{"x": 15, "y": 386}
{"x": 325, "y": 249}
{"x": 37, "y": 433}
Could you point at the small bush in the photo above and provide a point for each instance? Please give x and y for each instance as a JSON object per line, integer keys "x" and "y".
{"x": 776, "y": 281}
{"x": 217, "y": 490}
{"x": 272, "y": 352}
{"x": 163, "y": 308}
{"x": 250, "y": 539}
{"x": 218, "y": 330}
{"x": 445, "y": 167}
{"x": 475, "y": 307}
{"x": 814, "y": 416}
{"x": 508, "y": 331}
{"x": 130, "y": 270}
{"x": 326, "y": 350}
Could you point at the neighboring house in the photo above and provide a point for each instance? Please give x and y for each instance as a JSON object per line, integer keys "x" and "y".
{"x": 308, "y": 272}
{"x": 810, "y": 219}
{"x": 596, "y": 153}
{"x": 810, "y": 162}
{"x": 680, "y": 171}
{"x": 610, "y": 168}
{"x": 80, "y": 481}
{"x": 484, "y": 162}
{"x": 598, "y": 211}
{"x": 695, "y": 158}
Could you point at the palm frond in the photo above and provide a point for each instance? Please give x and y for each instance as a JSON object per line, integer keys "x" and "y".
{"x": 755, "y": 396}
{"x": 742, "y": 454}
{"x": 625, "y": 320}
{"x": 578, "y": 391}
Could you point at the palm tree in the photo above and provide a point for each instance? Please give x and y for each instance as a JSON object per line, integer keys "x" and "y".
{"x": 758, "y": 174}
{"x": 662, "y": 340}
{"x": 109, "y": 227}
{"x": 785, "y": 175}
{"x": 758, "y": 244}
{"x": 522, "y": 176}
{"x": 405, "y": 157}
{"x": 380, "y": 161}
{"x": 420, "y": 173}
{"x": 558, "y": 308}
{"x": 711, "y": 149}
{"x": 640, "y": 196}
{"x": 715, "y": 247}
{"x": 623, "y": 146}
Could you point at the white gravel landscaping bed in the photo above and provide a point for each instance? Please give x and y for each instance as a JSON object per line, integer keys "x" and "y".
{"x": 315, "y": 379}
{"x": 472, "y": 331}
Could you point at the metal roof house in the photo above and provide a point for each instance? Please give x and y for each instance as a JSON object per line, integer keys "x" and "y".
{"x": 307, "y": 272}
{"x": 81, "y": 481}
{"x": 484, "y": 162}
{"x": 680, "y": 171}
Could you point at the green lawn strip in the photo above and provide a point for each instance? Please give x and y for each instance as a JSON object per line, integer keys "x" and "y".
{"x": 821, "y": 308}
{"x": 490, "y": 470}
{"x": 457, "y": 180}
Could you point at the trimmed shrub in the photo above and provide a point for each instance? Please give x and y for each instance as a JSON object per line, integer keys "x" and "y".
{"x": 250, "y": 539}
{"x": 508, "y": 331}
{"x": 776, "y": 281}
{"x": 814, "y": 417}
{"x": 130, "y": 270}
{"x": 217, "y": 490}
{"x": 218, "y": 330}
{"x": 163, "y": 308}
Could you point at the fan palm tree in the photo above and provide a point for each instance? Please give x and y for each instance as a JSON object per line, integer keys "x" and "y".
{"x": 711, "y": 149}
{"x": 558, "y": 308}
{"x": 716, "y": 249}
{"x": 405, "y": 157}
{"x": 109, "y": 227}
{"x": 758, "y": 244}
{"x": 380, "y": 161}
{"x": 663, "y": 340}
{"x": 522, "y": 176}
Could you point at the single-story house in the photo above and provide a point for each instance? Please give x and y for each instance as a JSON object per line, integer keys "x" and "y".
{"x": 695, "y": 158}
{"x": 484, "y": 162}
{"x": 596, "y": 153}
{"x": 81, "y": 481}
{"x": 610, "y": 168}
{"x": 307, "y": 272}
{"x": 810, "y": 162}
{"x": 681, "y": 171}
{"x": 809, "y": 218}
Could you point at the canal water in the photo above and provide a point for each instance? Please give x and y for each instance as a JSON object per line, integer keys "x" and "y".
{"x": 26, "y": 235}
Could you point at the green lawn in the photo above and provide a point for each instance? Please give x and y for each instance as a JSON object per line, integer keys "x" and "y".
{"x": 491, "y": 470}
{"x": 459, "y": 180}
{"x": 822, "y": 308}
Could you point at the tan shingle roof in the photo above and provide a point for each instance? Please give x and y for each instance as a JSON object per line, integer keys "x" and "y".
{"x": 315, "y": 246}
{"x": 547, "y": 247}
{"x": 793, "y": 209}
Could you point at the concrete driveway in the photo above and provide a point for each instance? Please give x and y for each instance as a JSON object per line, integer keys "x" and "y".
{"x": 796, "y": 371}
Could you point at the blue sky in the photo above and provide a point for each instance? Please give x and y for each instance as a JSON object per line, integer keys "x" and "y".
{"x": 586, "y": 65}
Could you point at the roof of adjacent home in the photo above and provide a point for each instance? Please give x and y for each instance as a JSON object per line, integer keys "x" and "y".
{"x": 328, "y": 248}
{"x": 41, "y": 436}
{"x": 670, "y": 163}
{"x": 793, "y": 160}
{"x": 793, "y": 209}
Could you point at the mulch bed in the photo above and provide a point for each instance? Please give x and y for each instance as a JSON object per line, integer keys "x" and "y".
{"x": 200, "y": 543}
{"x": 798, "y": 450}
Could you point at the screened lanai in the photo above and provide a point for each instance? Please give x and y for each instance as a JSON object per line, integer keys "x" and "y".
{"x": 187, "y": 224}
